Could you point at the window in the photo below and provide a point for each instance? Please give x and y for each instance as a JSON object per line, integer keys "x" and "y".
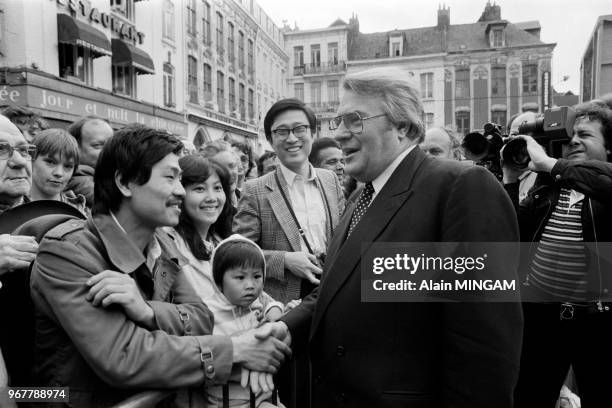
{"x": 230, "y": 44}
{"x": 298, "y": 55}
{"x": 124, "y": 81}
{"x": 220, "y": 92}
{"x": 395, "y": 49}
{"x": 298, "y": 91}
{"x": 241, "y": 102}
{"x": 192, "y": 79}
{"x": 206, "y": 24}
{"x": 124, "y": 7}
{"x": 498, "y": 38}
{"x": 251, "y": 108}
{"x": 191, "y": 17}
{"x": 315, "y": 55}
{"x": 76, "y": 62}
{"x": 231, "y": 86}
{"x": 499, "y": 117}
{"x": 169, "y": 85}
{"x": 530, "y": 79}
{"x": 498, "y": 81}
{"x": 462, "y": 83}
{"x": 463, "y": 122}
{"x": 332, "y": 53}
{"x": 315, "y": 93}
{"x": 241, "y": 50}
{"x": 251, "y": 65}
{"x": 429, "y": 120}
{"x": 332, "y": 91}
{"x": 220, "y": 34}
{"x": 207, "y": 82}
{"x": 168, "y": 20}
{"x": 427, "y": 85}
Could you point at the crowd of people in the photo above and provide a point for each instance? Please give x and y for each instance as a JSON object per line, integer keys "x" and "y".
{"x": 235, "y": 280}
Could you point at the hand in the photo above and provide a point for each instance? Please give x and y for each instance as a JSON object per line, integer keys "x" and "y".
{"x": 110, "y": 287}
{"x": 262, "y": 351}
{"x": 303, "y": 265}
{"x": 278, "y": 330}
{"x": 274, "y": 313}
{"x": 258, "y": 381}
{"x": 16, "y": 252}
{"x": 540, "y": 161}
{"x": 292, "y": 304}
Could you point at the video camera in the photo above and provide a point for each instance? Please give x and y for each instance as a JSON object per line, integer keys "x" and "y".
{"x": 551, "y": 129}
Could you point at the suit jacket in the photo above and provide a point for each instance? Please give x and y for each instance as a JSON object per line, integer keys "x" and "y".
{"x": 263, "y": 217}
{"x": 413, "y": 354}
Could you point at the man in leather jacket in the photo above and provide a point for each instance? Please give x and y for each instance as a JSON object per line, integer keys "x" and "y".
{"x": 567, "y": 215}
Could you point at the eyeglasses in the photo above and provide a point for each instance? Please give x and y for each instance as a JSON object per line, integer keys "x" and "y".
{"x": 352, "y": 121}
{"x": 27, "y": 151}
{"x": 299, "y": 131}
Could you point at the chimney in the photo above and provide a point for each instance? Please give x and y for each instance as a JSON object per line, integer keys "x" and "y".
{"x": 492, "y": 12}
{"x": 443, "y": 16}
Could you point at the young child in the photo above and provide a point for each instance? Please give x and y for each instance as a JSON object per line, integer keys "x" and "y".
{"x": 239, "y": 304}
{"x": 57, "y": 155}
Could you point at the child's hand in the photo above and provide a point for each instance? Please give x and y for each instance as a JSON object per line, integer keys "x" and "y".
{"x": 273, "y": 314}
{"x": 257, "y": 381}
{"x": 292, "y": 304}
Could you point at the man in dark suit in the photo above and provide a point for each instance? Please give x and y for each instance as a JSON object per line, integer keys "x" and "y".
{"x": 435, "y": 354}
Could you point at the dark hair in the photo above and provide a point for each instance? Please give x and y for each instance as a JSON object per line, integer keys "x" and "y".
{"x": 321, "y": 144}
{"x": 598, "y": 110}
{"x": 246, "y": 149}
{"x": 55, "y": 141}
{"x": 260, "y": 162}
{"x": 131, "y": 153}
{"x": 285, "y": 105}
{"x": 235, "y": 254}
{"x": 197, "y": 169}
{"x": 76, "y": 127}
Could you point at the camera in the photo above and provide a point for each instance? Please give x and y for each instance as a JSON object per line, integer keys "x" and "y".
{"x": 551, "y": 129}
{"x": 483, "y": 148}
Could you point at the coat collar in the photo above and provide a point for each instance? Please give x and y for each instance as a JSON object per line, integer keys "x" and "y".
{"x": 122, "y": 252}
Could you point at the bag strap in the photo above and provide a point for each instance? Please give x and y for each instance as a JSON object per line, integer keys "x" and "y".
{"x": 297, "y": 223}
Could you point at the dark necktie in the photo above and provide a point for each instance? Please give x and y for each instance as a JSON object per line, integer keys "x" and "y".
{"x": 362, "y": 205}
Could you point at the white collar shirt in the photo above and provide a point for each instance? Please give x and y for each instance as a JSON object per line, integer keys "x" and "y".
{"x": 308, "y": 206}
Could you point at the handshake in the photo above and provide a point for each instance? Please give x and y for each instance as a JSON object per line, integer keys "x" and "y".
{"x": 261, "y": 353}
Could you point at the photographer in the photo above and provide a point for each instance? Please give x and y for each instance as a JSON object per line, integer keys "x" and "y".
{"x": 569, "y": 206}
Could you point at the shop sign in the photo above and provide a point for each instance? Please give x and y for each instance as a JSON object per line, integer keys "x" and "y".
{"x": 74, "y": 105}
{"x": 124, "y": 30}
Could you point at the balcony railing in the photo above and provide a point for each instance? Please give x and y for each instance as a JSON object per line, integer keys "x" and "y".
{"x": 321, "y": 107}
{"x": 325, "y": 68}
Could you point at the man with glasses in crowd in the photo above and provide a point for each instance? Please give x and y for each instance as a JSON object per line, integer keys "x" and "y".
{"x": 291, "y": 212}
{"x": 396, "y": 354}
{"x": 16, "y": 154}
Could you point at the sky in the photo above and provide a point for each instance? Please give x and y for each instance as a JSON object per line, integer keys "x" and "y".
{"x": 567, "y": 23}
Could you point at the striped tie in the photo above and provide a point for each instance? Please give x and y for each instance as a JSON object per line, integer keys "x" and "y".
{"x": 362, "y": 205}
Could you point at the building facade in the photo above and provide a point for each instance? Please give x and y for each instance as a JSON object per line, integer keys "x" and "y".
{"x": 65, "y": 59}
{"x": 596, "y": 65}
{"x": 468, "y": 74}
{"x": 234, "y": 65}
{"x": 318, "y": 62}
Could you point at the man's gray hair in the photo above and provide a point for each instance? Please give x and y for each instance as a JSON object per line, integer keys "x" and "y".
{"x": 400, "y": 97}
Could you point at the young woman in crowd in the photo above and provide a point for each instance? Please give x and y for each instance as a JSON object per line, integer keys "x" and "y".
{"x": 205, "y": 218}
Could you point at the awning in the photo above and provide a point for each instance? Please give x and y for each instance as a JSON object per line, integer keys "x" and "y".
{"x": 126, "y": 54}
{"x": 73, "y": 31}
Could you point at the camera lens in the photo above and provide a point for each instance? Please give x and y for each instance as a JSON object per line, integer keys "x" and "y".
{"x": 515, "y": 153}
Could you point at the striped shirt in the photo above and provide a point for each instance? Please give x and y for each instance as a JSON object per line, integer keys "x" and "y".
{"x": 559, "y": 264}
